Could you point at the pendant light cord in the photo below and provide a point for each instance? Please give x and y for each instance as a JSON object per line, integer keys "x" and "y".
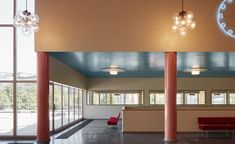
{"x": 26, "y": 4}
{"x": 182, "y": 5}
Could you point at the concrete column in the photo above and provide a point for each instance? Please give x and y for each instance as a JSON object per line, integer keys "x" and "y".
{"x": 170, "y": 97}
{"x": 43, "y": 135}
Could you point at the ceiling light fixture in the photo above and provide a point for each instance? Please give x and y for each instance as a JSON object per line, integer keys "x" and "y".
{"x": 113, "y": 70}
{"x": 196, "y": 70}
{"x": 183, "y": 21}
{"x": 26, "y": 21}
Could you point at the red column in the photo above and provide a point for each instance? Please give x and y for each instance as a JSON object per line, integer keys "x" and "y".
{"x": 43, "y": 135}
{"x": 170, "y": 97}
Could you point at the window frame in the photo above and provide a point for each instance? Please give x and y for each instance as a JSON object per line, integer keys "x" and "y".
{"x": 227, "y": 97}
{"x": 140, "y": 99}
{"x": 184, "y": 97}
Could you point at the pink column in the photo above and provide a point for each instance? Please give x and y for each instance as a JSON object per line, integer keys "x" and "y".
{"x": 43, "y": 135}
{"x": 170, "y": 97}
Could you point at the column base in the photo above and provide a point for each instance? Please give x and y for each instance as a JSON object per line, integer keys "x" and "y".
{"x": 170, "y": 141}
{"x": 43, "y": 142}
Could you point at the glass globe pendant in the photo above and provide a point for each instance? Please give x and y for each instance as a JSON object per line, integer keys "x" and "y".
{"x": 26, "y": 21}
{"x": 183, "y": 22}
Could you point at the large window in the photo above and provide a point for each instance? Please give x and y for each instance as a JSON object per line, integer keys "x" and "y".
{"x": 17, "y": 74}
{"x": 6, "y": 108}
{"x": 115, "y": 98}
{"x": 26, "y": 108}
{"x": 182, "y": 97}
{"x": 6, "y": 11}
{"x": 6, "y": 53}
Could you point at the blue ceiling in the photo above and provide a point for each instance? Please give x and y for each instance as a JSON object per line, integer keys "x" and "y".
{"x": 148, "y": 64}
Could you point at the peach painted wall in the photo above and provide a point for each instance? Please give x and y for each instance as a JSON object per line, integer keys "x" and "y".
{"x": 128, "y": 25}
{"x": 152, "y": 119}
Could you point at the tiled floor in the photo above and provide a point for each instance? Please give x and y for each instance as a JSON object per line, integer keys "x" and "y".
{"x": 97, "y": 132}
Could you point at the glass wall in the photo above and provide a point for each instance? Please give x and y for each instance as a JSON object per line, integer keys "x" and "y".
{"x": 17, "y": 74}
{"x": 76, "y": 103}
{"x": 71, "y": 105}
{"x": 67, "y": 104}
{"x": 51, "y": 105}
{"x": 57, "y": 106}
{"x": 80, "y": 105}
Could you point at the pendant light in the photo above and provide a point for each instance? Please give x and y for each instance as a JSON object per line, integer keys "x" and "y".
{"x": 26, "y": 21}
{"x": 113, "y": 70}
{"x": 183, "y": 21}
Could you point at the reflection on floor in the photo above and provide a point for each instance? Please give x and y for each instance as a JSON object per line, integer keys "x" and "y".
{"x": 97, "y": 132}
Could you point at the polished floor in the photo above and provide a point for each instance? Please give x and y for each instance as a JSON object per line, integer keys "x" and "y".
{"x": 97, "y": 132}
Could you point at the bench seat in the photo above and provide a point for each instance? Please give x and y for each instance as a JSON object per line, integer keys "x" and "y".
{"x": 216, "y": 123}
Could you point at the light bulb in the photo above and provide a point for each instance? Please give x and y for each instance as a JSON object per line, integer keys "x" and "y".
{"x": 36, "y": 28}
{"x": 189, "y": 15}
{"x": 34, "y": 18}
{"x": 183, "y": 33}
{"x": 189, "y": 21}
{"x": 195, "y": 72}
{"x": 113, "y": 72}
{"x": 177, "y": 21}
{"x": 174, "y": 27}
{"x": 26, "y": 31}
{"x": 193, "y": 25}
{"x": 183, "y": 22}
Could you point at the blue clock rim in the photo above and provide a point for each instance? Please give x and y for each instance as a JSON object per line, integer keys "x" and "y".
{"x": 219, "y": 22}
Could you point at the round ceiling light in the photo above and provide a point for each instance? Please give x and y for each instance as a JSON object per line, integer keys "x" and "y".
{"x": 113, "y": 70}
{"x": 195, "y": 70}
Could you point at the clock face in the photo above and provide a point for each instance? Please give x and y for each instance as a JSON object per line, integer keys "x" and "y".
{"x": 224, "y": 8}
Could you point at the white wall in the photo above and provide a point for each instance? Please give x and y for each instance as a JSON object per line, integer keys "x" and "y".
{"x": 146, "y": 84}
{"x": 101, "y": 112}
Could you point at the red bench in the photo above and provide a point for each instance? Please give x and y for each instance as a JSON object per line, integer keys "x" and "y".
{"x": 113, "y": 120}
{"x": 216, "y": 123}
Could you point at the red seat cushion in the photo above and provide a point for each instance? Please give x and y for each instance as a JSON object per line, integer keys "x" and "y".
{"x": 113, "y": 120}
{"x": 216, "y": 123}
